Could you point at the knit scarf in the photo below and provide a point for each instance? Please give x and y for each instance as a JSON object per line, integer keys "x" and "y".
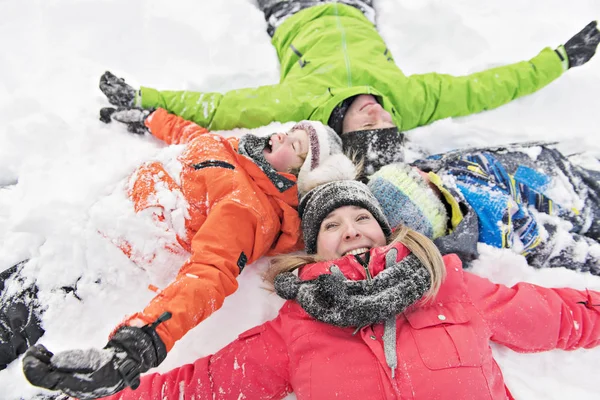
{"x": 335, "y": 300}
{"x": 252, "y": 146}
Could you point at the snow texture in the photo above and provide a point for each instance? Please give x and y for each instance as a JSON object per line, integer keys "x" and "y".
{"x": 90, "y": 359}
{"x": 57, "y": 161}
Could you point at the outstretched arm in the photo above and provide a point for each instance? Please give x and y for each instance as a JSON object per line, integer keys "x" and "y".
{"x": 243, "y": 108}
{"x": 169, "y": 128}
{"x": 199, "y": 107}
{"x": 436, "y": 96}
{"x": 253, "y": 366}
{"x": 172, "y": 129}
{"x": 256, "y": 365}
{"x": 530, "y": 318}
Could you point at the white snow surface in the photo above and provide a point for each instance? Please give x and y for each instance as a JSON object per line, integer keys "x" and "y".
{"x": 58, "y": 162}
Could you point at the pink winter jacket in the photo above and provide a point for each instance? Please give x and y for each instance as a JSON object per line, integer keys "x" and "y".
{"x": 443, "y": 348}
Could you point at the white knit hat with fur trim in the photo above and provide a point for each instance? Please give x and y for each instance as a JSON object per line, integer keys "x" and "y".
{"x": 325, "y": 161}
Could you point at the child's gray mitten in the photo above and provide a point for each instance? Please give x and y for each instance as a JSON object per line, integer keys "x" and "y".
{"x": 133, "y": 117}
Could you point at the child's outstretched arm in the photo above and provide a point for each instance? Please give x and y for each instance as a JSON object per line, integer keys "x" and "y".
{"x": 437, "y": 96}
{"x": 237, "y": 231}
{"x": 172, "y": 129}
{"x": 256, "y": 365}
{"x": 169, "y": 128}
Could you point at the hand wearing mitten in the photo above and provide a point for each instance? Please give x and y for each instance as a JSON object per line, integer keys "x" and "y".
{"x": 118, "y": 92}
{"x": 580, "y": 48}
{"x": 133, "y": 117}
{"x": 94, "y": 373}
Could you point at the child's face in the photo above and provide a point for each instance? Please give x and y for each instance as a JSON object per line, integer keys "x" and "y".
{"x": 366, "y": 113}
{"x": 348, "y": 230}
{"x": 287, "y": 151}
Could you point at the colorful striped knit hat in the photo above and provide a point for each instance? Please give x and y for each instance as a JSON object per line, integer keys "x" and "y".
{"x": 407, "y": 199}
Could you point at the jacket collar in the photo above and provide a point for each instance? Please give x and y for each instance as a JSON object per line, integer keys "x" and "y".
{"x": 350, "y": 267}
{"x": 288, "y": 195}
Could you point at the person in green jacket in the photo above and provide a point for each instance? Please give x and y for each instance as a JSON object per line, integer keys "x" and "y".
{"x": 336, "y": 69}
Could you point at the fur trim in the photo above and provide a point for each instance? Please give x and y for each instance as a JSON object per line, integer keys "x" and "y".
{"x": 337, "y": 167}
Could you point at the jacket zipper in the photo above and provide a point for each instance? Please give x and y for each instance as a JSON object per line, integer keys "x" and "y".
{"x": 365, "y": 265}
{"x": 344, "y": 47}
{"x": 369, "y": 277}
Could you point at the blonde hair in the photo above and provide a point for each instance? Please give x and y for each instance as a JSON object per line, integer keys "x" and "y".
{"x": 420, "y": 245}
{"x": 427, "y": 252}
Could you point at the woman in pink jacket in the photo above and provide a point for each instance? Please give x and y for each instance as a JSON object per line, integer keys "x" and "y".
{"x": 380, "y": 321}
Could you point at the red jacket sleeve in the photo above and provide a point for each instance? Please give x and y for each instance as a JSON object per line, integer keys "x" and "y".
{"x": 172, "y": 129}
{"x": 255, "y": 366}
{"x": 530, "y": 318}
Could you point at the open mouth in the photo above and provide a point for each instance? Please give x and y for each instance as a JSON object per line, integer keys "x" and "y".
{"x": 357, "y": 252}
{"x": 268, "y": 146}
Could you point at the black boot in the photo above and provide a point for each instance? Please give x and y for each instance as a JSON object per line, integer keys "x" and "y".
{"x": 276, "y": 11}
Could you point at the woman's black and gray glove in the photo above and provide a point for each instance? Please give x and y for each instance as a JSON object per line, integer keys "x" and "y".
{"x": 580, "y": 48}
{"x": 333, "y": 299}
{"x": 95, "y": 373}
{"x": 118, "y": 92}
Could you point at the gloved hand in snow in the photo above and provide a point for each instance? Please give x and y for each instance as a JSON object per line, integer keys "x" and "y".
{"x": 118, "y": 92}
{"x": 580, "y": 48}
{"x": 94, "y": 373}
{"x": 20, "y": 324}
{"x": 133, "y": 117}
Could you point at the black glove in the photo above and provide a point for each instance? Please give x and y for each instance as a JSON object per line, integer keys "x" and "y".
{"x": 118, "y": 92}
{"x": 581, "y": 47}
{"x": 20, "y": 324}
{"x": 94, "y": 373}
{"x": 133, "y": 117}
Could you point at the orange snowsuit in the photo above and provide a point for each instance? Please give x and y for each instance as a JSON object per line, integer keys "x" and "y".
{"x": 235, "y": 216}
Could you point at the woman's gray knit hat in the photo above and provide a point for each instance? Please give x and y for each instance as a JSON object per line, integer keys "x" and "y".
{"x": 316, "y": 205}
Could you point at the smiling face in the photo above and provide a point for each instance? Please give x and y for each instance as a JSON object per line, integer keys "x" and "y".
{"x": 287, "y": 151}
{"x": 366, "y": 113}
{"x": 348, "y": 230}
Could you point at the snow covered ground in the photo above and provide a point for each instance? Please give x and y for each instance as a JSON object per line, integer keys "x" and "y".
{"x": 57, "y": 160}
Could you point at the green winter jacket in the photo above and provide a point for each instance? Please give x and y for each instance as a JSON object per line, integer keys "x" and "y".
{"x": 331, "y": 52}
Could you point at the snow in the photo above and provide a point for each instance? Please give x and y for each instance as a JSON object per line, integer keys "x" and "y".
{"x": 58, "y": 162}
